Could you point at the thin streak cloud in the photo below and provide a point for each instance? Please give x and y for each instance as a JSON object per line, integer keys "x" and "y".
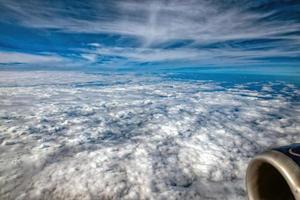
{"x": 13, "y": 57}
{"x": 206, "y": 31}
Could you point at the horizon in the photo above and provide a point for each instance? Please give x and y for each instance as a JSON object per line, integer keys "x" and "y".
{"x": 139, "y": 35}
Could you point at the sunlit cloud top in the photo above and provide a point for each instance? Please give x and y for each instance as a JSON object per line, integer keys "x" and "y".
{"x": 111, "y": 34}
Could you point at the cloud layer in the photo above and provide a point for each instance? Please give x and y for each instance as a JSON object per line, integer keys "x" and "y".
{"x": 94, "y": 136}
{"x": 126, "y": 33}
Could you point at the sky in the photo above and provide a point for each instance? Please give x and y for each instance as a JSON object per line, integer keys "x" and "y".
{"x": 131, "y": 34}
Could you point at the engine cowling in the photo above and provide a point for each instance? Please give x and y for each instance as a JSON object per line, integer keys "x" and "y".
{"x": 275, "y": 174}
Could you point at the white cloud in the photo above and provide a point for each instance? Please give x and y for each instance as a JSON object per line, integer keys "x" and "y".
{"x": 214, "y": 56}
{"x": 76, "y": 135}
{"x": 155, "y": 20}
{"x": 160, "y": 22}
{"x": 15, "y": 57}
{"x": 90, "y": 57}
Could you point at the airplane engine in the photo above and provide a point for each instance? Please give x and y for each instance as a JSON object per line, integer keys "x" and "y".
{"x": 275, "y": 174}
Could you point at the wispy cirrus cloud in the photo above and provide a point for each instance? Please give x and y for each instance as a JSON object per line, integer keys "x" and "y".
{"x": 202, "y": 32}
{"x": 155, "y": 21}
{"x": 13, "y": 57}
{"x": 213, "y": 56}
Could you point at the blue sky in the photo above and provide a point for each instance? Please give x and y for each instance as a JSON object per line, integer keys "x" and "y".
{"x": 149, "y": 34}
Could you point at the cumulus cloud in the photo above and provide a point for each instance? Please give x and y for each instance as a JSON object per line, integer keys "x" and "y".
{"x": 93, "y": 136}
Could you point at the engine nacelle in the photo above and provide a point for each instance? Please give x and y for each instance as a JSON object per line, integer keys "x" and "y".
{"x": 275, "y": 174}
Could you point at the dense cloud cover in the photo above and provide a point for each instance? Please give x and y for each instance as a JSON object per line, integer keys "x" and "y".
{"x": 93, "y": 136}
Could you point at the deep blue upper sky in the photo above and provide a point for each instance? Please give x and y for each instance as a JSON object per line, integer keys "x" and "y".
{"x": 149, "y": 34}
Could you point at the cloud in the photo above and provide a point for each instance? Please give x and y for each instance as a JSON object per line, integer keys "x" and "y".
{"x": 217, "y": 32}
{"x": 214, "y": 56}
{"x": 89, "y": 136}
{"x": 155, "y": 20}
{"x": 14, "y": 57}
